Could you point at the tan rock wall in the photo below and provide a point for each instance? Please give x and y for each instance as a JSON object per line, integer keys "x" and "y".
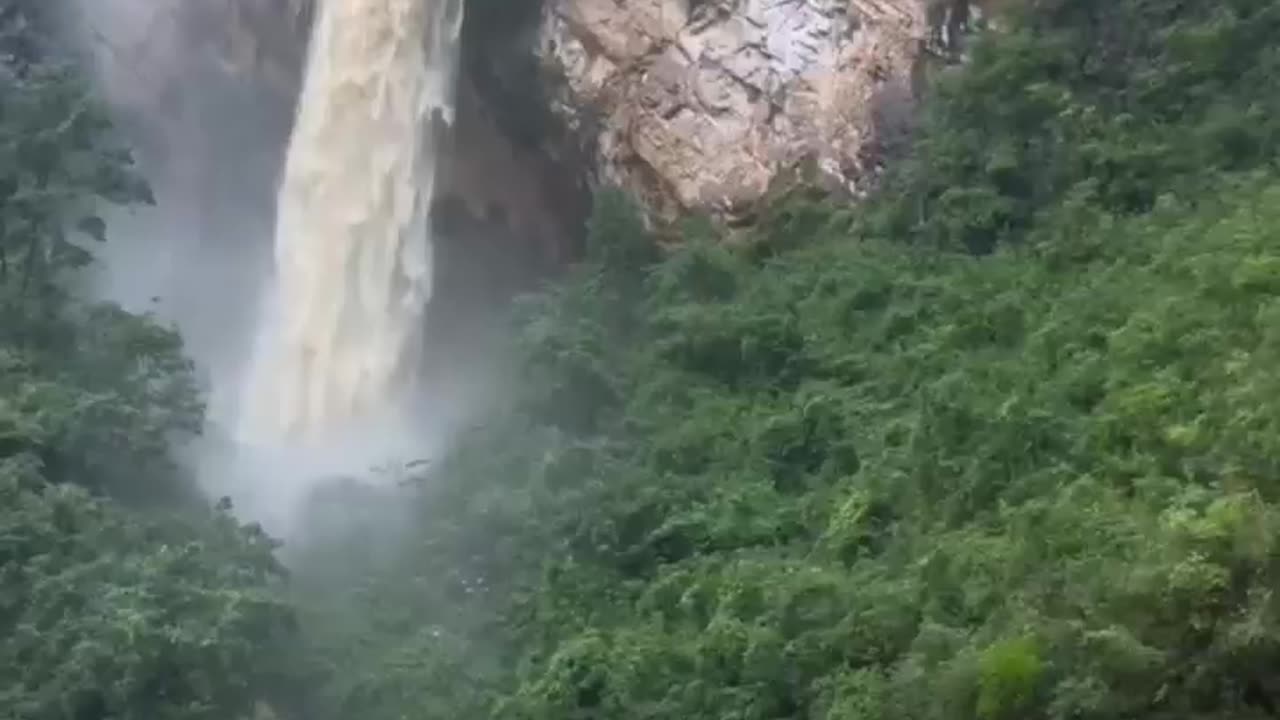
{"x": 703, "y": 108}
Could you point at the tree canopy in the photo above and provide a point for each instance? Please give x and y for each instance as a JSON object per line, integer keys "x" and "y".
{"x": 997, "y": 443}
{"x": 122, "y": 594}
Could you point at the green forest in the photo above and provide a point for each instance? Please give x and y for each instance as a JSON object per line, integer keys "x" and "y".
{"x": 990, "y": 445}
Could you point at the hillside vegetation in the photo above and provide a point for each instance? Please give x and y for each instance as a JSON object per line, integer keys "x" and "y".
{"x": 997, "y": 444}
{"x": 122, "y": 595}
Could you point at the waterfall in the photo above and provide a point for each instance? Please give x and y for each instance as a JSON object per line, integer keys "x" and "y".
{"x": 353, "y": 253}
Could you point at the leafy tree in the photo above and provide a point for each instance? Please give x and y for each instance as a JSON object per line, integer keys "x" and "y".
{"x": 95, "y": 393}
{"x": 1121, "y": 101}
{"x": 106, "y": 615}
{"x": 59, "y": 159}
{"x": 115, "y": 602}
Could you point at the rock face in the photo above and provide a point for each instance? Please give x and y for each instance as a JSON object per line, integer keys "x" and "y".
{"x": 702, "y": 104}
{"x": 204, "y": 89}
{"x": 686, "y": 104}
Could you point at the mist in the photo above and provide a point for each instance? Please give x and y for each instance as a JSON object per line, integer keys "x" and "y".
{"x": 208, "y": 109}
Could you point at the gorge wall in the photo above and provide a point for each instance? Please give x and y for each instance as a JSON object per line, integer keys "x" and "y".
{"x": 688, "y": 105}
{"x": 206, "y": 91}
{"x": 687, "y": 108}
{"x": 175, "y": 68}
{"x": 704, "y": 104}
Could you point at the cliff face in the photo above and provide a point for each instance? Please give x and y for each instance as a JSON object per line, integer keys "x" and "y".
{"x": 702, "y": 104}
{"x": 687, "y": 104}
{"x": 207, "y": 89}
{"x": 204, "y": 89}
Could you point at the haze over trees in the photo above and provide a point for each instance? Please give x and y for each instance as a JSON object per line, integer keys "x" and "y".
{"x": 999, "y": 443}
{"x": 121, "y": 594}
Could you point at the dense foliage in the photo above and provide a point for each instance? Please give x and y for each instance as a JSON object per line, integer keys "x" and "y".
{"x": 110, "y": 615}
{"x": 875, "y": 484}
{"x": 998, "y": 445}
{"x": 1112, "y": 102}
{"x": 120, "y": 595}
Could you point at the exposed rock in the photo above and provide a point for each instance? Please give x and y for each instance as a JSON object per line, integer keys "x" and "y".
{"x": 687, "y": 104}
{"x": 703, "y": 107}
{"x": 513, "y": 191}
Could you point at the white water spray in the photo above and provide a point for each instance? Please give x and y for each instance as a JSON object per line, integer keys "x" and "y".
{"x": 344, "y": 328}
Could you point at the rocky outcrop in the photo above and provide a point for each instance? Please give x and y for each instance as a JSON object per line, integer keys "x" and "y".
{"x": 687, "y": 104}
{"x": 703, "y": 104}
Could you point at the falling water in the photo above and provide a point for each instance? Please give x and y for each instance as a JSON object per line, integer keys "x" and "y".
{"x": 352, "y": 245}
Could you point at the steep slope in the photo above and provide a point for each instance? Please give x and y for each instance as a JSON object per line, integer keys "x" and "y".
{"x": 998, "y": 444}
